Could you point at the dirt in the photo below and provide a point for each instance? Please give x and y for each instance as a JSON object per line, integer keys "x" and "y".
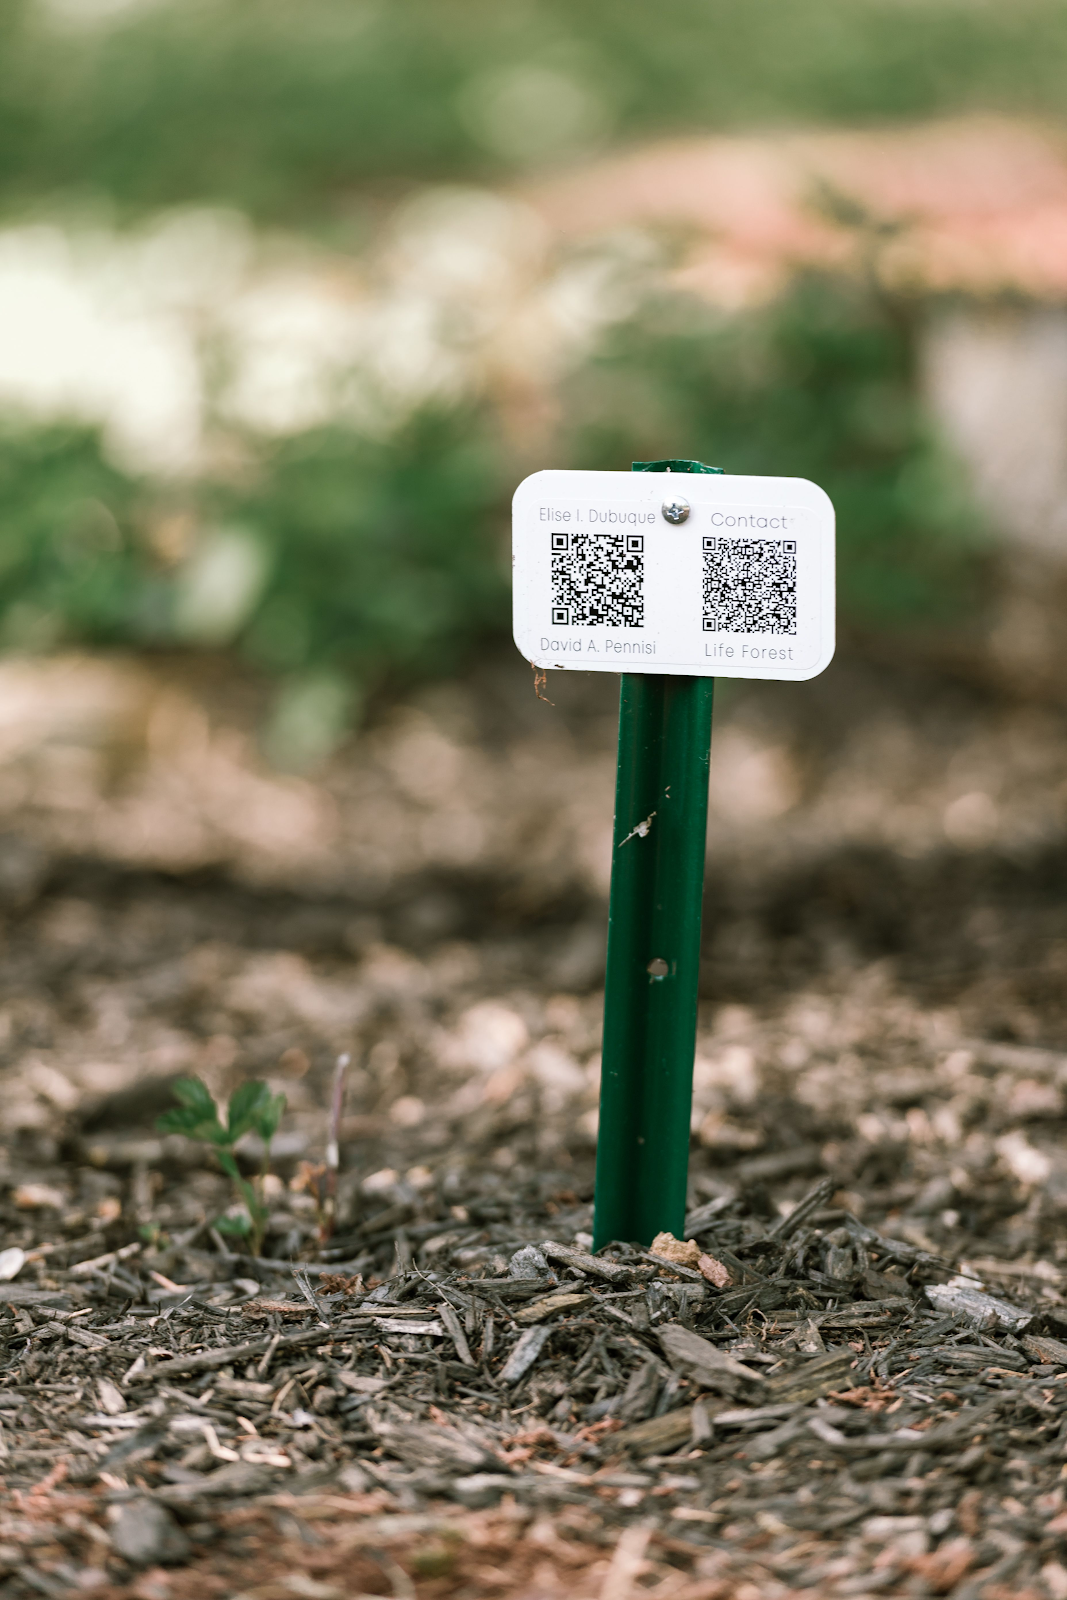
{"x": 882, "y": 1029}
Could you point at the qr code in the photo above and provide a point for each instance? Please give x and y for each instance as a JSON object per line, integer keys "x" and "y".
{"x": 598, "y": 580}
{"x": 750, "y": 586}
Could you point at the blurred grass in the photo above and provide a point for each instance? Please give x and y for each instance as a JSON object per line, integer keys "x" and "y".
{"x": 291, "y": 112}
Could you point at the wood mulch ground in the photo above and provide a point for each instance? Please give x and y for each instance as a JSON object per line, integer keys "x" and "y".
{"x": 831, "y": 1415}
{"x": 854, "y": 1383}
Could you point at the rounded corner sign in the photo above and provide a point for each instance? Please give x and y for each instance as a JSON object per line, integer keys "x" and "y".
{"x": 690, "y": 574}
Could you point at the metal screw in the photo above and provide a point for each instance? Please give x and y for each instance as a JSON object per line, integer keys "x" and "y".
{"x": 676, "y": 509}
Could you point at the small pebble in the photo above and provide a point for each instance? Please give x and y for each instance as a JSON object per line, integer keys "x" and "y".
{"x": 354, "y": 1479}
{"x": 528, "y": 1263}
{"x": 146, "y": 1535}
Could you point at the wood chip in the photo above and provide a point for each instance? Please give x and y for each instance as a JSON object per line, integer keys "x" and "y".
{"x": 525, "y": 1353}
{"x": 551, "y": 1306}
{"x": 714, "y": 1272}
{"x": 594, "y": 1266}
{"x": 1049, "y": 1352}
{"x": 699, "y": 1359}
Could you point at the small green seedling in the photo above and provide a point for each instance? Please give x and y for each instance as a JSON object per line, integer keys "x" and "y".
{"x": 252, "y": 1109}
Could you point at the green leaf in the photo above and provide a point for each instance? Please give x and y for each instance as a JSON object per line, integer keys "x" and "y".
{"x": 245, "y": 1103}
{"x": 188, "y": 1122}
{"x": 268, "y": 1115}
{"x": 240, "y": 1224}
{"x": 196, "y": 1114}
{"x": 195, "y": 1094}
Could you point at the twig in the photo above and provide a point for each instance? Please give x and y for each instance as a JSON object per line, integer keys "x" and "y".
{"x": 333, "y": 1148}
{"x": 311, "y": 1297}
{"x": 455, "y": 1333}
{"x": 108, "y": 1260}
{"x": 540, "y": 679}
{"x": 207, "y": 1360}
{"x": 268, "y": 1356}
{"x": 813, "y": 1201}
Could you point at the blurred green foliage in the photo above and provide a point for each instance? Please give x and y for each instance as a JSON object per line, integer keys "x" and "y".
{"x": 346, "y": 564}
{"x": 388, "y": 554}
{"x": 68, "y": 569}
{"x": 821, "y": 384}
{"x": 288, "y": 111}
{"x": 377, "y": 561}
{"x": 342, "y": 561}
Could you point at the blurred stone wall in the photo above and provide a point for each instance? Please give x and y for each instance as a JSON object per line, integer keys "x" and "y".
{"x": 997, "y": 381}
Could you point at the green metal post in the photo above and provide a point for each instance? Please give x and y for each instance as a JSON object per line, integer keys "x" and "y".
{"x": 653, "y": 968}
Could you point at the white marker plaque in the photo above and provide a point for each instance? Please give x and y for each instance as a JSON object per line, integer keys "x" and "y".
{"x": 689, "y": 573}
